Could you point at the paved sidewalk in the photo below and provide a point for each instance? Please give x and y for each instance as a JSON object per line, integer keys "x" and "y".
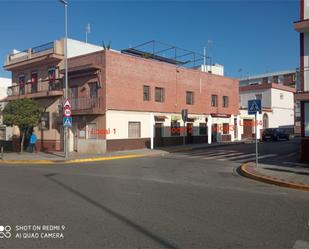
{"x": 292, "y": 177}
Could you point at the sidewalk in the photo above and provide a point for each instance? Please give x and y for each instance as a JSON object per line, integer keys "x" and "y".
{"x": 75, "y": 157}
{"x": 58, "y": 157}
{"x": 291, "y": 177}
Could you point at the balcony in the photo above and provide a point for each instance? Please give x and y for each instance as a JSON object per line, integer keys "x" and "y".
{"x": 42, "y": 89}
{"x": 302, "y": 26}
{"x": 87, "y": 105}
{"x": 49, "y": 53}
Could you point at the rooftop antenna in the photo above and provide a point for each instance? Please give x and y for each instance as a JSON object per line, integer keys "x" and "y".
{"x": 87, "y": 31}
{"x": 206, "y": 48}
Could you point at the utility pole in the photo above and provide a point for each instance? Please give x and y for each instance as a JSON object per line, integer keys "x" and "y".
{"x": 66, "y": 128}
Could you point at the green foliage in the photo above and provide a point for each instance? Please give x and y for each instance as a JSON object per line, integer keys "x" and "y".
{"x": 22, "y": 112}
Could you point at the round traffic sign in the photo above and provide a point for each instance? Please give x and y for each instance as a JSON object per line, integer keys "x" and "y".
{"x": 67, "y": 112}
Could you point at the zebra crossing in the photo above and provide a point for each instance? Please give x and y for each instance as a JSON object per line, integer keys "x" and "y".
{"x": 222, "y": 155}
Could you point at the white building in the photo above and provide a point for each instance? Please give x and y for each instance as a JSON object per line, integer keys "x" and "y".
{"x": 5, "y": 132}
{"x": 277, "y": 108}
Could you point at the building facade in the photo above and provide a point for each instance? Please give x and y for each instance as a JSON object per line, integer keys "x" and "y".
{"x": 277, "y": 108}
{"x": 288, "y": 78}
{"x": 302, "y": 26}
{"x": 120, "y": 101}
{"x": 5, "y": 132}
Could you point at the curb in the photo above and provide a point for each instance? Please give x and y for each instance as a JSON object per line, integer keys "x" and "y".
{"x": 271, "y": 180}
{"x": 81, "y": 160}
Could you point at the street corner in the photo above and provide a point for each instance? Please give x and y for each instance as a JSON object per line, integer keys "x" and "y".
{"x": 249, "y": 170}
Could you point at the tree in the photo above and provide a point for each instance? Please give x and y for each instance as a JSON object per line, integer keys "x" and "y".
{"x": 24, "y": 113}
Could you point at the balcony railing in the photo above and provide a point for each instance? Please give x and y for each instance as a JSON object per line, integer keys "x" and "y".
{"x": 40, "y": 87}
{"x": 45, "y": 49}
{"x": 85, "y": 103}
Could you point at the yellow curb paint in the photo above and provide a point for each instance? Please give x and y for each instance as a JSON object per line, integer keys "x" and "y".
{"x": 81, "y": 160}
{"x": 95, "y": 159}
{"x": 271, "y": 180}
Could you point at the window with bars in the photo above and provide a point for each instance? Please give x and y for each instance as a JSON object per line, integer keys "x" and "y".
{"x": 189, "y": 98}
{"x": 21, "y": 83}
{"x": 225, "y": 101}
{"x": 214, "y": 100}
{"x": 146, "y": 93}
{"x": 134, "y": 129}
{"x": 159, "y": 94}
{"x": 93, "y": 90}
{"x": 34, "y": 82}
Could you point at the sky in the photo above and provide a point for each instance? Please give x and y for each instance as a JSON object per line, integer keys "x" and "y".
{"x": 248, "y": 37}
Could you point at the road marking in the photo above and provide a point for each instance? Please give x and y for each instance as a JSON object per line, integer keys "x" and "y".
{"x": 301, "y": 244}
{"x": 267, "y": 156}
{"x": 230, "y": 156}
{"x": 241, "y": 156}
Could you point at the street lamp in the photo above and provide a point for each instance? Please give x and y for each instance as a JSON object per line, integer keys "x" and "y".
{"x": 66, "y": 129}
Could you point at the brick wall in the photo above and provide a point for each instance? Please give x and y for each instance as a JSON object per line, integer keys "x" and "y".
{"x": 126, "y": 75}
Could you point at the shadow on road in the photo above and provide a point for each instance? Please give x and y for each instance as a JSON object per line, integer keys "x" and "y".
{"x": 116, "y": 215}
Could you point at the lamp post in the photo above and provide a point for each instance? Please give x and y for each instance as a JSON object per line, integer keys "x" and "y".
{"x": 66, "y": 129}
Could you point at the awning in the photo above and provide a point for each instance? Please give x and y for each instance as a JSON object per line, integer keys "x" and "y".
{"x": 160, "y": 118}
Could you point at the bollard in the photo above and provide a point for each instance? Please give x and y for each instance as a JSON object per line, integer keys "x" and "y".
{"x": 2, "y": 152}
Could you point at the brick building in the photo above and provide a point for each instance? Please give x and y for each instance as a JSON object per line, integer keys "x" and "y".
{"x": 302, "y": 26}
{"x": 122, "y": 101}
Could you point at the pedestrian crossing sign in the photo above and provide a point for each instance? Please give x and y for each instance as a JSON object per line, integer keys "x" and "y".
{"x": 67, "y": 121}
{"x": 254, "y": 106}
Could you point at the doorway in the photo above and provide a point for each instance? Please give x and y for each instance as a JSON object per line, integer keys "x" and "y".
{"x": 189, "y": 133}
{"x": 158, "y": 135}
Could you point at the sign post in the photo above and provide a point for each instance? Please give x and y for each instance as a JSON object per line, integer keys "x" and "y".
{"x": 67, "y": 122}
{"x": 254, "y": 107}
{"x": 184, "y": 115}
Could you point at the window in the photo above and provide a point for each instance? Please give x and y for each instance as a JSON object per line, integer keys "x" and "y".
{"x": 159, "y": 94}
{"x": 93, "y": 90}
{"x": 226, "y": 128}
{"x": 175, "y": 128}
{"x": 146, "y": 93}
{"x": 51, "y": 79}
{"x": 225, "y": 101}
{"x": 214, "y": 100}
{"x": 281, "y": 95}
{"x": 34, "y": 82}
{"x": 91, "y": 131}
{"x": 44, "y": 121}
{"x": 203, "y": 128}
{"x": 275, "y": 79}
{"x": 189, "y": 98}
{"x": 134, "y": 129}
{"x": 21, "y": 83}
{"x": 74, "y": 97}
{"x": 74, "y": 92}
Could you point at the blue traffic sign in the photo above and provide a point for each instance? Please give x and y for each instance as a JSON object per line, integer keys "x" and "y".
{"x": 67, "y": 121}
{"x": 254, "y": 106}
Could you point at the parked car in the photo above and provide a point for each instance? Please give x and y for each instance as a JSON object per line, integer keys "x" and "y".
{"x": 275, "y": 134}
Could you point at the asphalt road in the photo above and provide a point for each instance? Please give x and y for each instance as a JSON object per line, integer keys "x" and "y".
{"x": 180, "y": 200}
